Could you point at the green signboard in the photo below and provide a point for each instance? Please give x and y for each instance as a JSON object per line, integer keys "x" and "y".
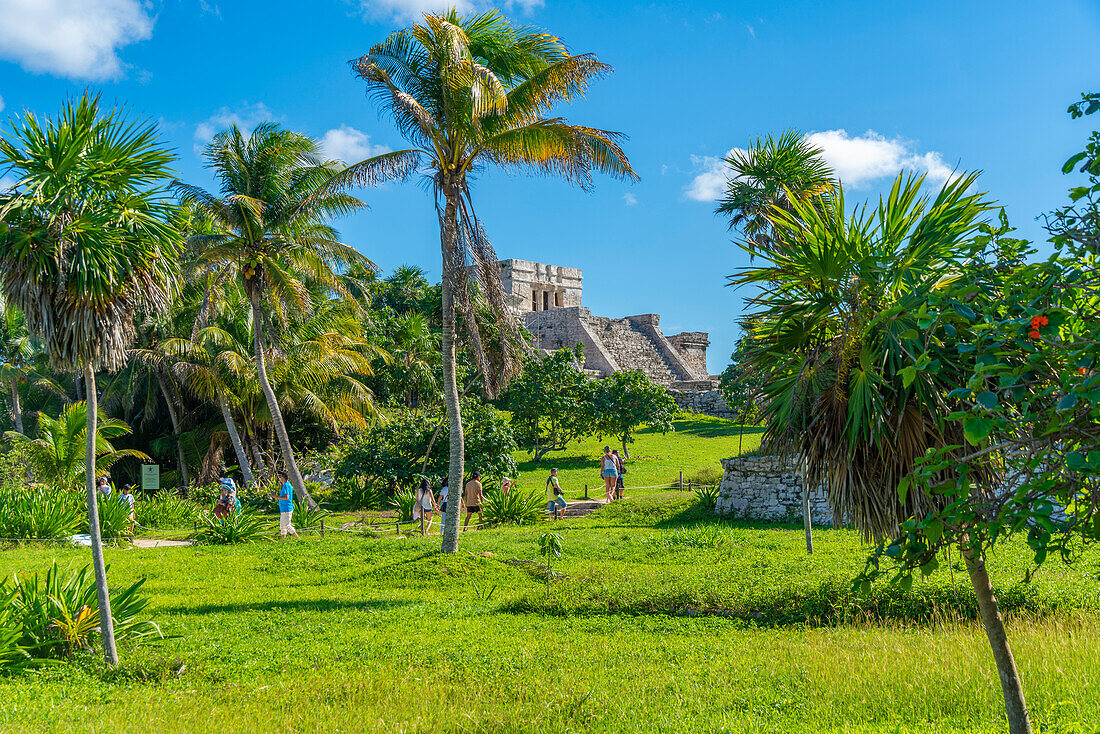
{"x": 150, "y": 476}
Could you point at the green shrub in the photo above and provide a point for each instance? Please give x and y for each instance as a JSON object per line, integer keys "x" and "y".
{"x": 708, "y": 476}
{"x": 14, "y": 655}
{"x": 37, "y": 512}
{"x": 356, "y": 493}
{"x": 167, "y": 510}
{"x": 114, "y": 518}
{"x": 305, "y": 517}
{"x": 518, "y": 506}
{"x": 238, "y": 527}
{"x": 707, "y": 495}
{"x": 404, "y": 501}
{"x": 60, "y": 615}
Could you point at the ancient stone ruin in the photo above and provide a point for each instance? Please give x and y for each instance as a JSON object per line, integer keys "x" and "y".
{"x": 768, "y": 488}
{"x": 547, "y": 299}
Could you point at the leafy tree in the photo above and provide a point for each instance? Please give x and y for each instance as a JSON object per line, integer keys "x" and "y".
{"x": 772, "y": 172}
{"x": 395, "y": 452}
{"x": 467, "y": 93}
{"x": 268, "y": 231}
{"x": 57, "y": 455}
{"x": 740, "y": 384}
{"x": 86, "y": 242}
{"x": 1025, "y": 336}
{"x": 551, "y": 404}
{"x": 22, "y": 362}
{"x": 627, "y": 399}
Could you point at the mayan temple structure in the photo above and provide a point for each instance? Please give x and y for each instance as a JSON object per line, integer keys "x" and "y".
{"x": 547, "y": 299}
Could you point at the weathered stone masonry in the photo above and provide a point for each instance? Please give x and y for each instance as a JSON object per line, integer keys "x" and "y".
{"x": 768, "y": 488}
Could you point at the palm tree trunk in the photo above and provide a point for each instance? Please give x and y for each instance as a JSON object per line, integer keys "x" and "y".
{"x": 185, "y": 475}
{"x": 106, "y": 623}
{"x": 450, "y": 384}
{"x": 273, "y": 406}
{"x": 1015, "y": 707}
{"x": 16, "y": 407}
{"x": 807, "y": 523}
{"x": 235, "y": 439}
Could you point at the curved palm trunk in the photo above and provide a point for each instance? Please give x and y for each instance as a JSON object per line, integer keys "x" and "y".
{"x": 106, "y": 623}
{"x": 273, "y": 405}
{"x": 450, "y": 385}
{"x": 235, "y": 439}
{"x": 1015, "y": 707}
{"x": 16, "y": 407}
{"x": 185, "y": 474}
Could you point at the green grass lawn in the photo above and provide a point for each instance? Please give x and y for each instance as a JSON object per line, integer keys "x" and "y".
{"x": 665, "y": 620}
{"x": 697, "y": 444}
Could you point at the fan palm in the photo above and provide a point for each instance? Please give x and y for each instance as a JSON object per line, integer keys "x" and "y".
{"x": 57, "y": 455}
{"x": 470, "y": 92}
{"x": 772, "y": 172}
{"x": 268, "y": 229}
{"x": 21, "y": 361}
{"x": 86, "y": 241}
{"x": 849, "y": 384}
{"x": 416, "y": 356}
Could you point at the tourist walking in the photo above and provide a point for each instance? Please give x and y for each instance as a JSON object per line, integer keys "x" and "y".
{"x": 621, "y": 466}
{"x": 425, "y": 502}
{"x": 128, "y": 497}
{"x": 286, "y": 507}
{"x": 103, "y": 488}
{"x": 555, "y": 502}
{"x": 474, "y": 497}
{"x": 609, "y": 472}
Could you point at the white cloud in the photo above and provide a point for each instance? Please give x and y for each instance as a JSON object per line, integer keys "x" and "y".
{"x": 860, "y": 160}
{"x": 710, "y": 179}
{"x": 1, "y": 104}
{"x": 414, "y": 9}
{"x": 79, "y": 39}
{"x": 349, "y": 145}
{"x": 6, "y": 182}
{"x": 246, "y": 118}
{"x": 630, "y": 199}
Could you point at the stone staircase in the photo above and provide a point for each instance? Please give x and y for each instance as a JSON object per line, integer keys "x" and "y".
{"x": 629, "y": 345}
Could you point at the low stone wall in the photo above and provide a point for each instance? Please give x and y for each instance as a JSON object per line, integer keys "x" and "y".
{"x": 767, "y": 488}
{"x": 707, "y": 402}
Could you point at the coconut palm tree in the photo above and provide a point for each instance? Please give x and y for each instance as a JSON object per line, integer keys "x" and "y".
{"x": 471, "y": 92}
{"x": 86, "y": 242}
{"x": 772, "y": 172}
{"x": 833, "y": 335}
{"x": 267, "y": 228}
{"x": 57, "y": 456}
{"x": 415, "y": 353}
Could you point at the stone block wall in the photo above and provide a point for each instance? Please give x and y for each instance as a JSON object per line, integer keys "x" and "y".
{"x": 706, "y": 400}
{"x": 768, "y": 488}
{"x": 692, "y": 346}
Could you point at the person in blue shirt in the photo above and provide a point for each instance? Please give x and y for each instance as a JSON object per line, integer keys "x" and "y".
{"x": 285, "y": 498}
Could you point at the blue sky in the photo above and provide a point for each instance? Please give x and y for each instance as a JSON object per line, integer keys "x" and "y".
{"x": 930, "y": 86}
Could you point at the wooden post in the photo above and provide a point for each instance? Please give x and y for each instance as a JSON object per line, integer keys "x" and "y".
{"x": 806, "y": 517}
{"x": 423, "y": 530}
{"x": 195, "y": 526}
{"x": 586, "y": 491}
{"x": 680, "y": 486}
{"x": 322, "y": 527}
{"x": 398, "y": 526}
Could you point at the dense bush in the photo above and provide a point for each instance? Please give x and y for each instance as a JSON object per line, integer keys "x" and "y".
{"x": 517, "y": 506}
{"x": 167, "y": 510}
{"x": 396, "y": 450}
{"x": 114, "y": 518}
{"x": 358, "y": 493}
{"x": 404, "y": 501}
{"x": 55, "y": 617}
{"x": 237, "y": 527}
{"x": 37, "y": 512}
{"x": 306, "y": 517}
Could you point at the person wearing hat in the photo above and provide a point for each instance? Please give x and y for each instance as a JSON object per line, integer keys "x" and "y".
{"x": 609, "y": 472}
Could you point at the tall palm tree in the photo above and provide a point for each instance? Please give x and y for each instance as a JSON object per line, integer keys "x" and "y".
{"x": 470, "y": 92}
{"x": 772, "y": 172}
{"x": 851, "y": 385}
{"x": 57, "y": 455}
{"x": 268, "y": 230}
{"x": 416, "y": 357}
{"x": 21, "y": 361}
{"x": 86, "y": 241}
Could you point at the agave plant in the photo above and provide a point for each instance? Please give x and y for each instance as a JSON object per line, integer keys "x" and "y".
{"x": 518, "y": 506}
{"x": 32, "y": 512}
{"x": 237, "y": 527}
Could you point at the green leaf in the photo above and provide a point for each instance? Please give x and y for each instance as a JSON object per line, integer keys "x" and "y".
{"x": 933, "y": 531}
{"x": 965, "y": 311}
{"x": 908, "y": 374}
{"x": 1067, "y": 167}
{"x": 988, "y": 399}
{"x": 975, "y": 429}
{"x": 1067, "y": 402}
{"x": 908, "y": 334}
{"x": 960, "y": 393}
{"x": 903, "y": 489}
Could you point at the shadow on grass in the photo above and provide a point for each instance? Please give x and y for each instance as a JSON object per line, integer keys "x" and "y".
{"x": 707, "y": 427}
{"x": 300, "y": 605}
